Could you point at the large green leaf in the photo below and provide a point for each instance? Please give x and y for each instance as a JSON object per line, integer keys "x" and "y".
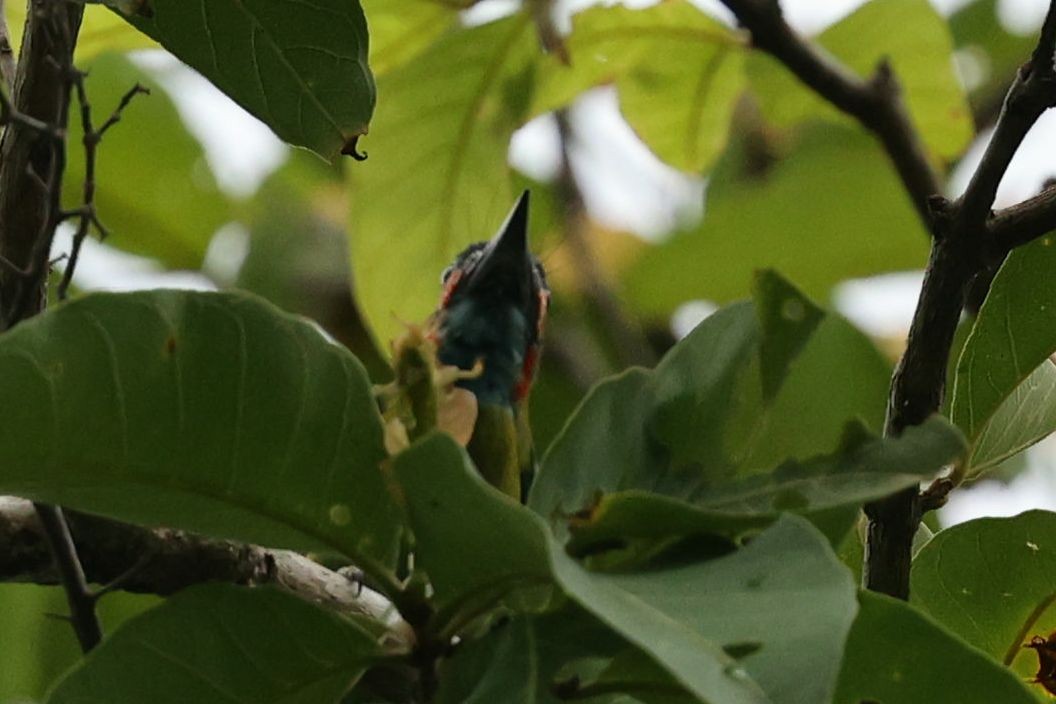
{"x": 703, "y": 427}
{"x": 785, "y": 599}
{"x": 37, "y": 647}
{"x": 437, "y": 177}
{"x": 897, "y": 654}
{"x": 793, "y": 217}
{"x": 221, "y": 643}
{"x": 401, "y": 29}
{"x": 1003, "y": 396}
{"x": 990, "y": 582}
{"x": 173, "y": 214}
{"x": 916, "y": 40}
{"x": 299, "y": 67}
{"x": 475, "y": 543}
{"x": 209, "y": 412}
{"x": 678, "y": 73}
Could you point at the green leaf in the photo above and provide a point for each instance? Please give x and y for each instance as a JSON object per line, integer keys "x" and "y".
{"x": 897, "y": 654}
{"x": 865, "y": 469}
{"x": 990, "y": 582}
{"x": 914, "y": 37}
{"x": 475, "y": 543}
{"x": 1003, "y": 392}
{"x": 700, "y": 430}
{"x": 173, "y": 214}
{"x": 210, "y": 412}
{"x": 684, "y": 616}
{"x": 791, "y": 217}
{"x": 38, "y": 648}
{"x": 402, "y": 29}
{"x": 101, "y": 31}
{"x": 301, "y": 68}
{"x": 221, "y": 643}
{"x": 297, "y": 255}
{"x": 520, "y": 661}
{"x": 437, "y": 177}
{"x": 677, "y": 71}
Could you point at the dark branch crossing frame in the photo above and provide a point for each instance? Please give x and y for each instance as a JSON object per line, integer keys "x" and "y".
{"x": 968, "y": 238}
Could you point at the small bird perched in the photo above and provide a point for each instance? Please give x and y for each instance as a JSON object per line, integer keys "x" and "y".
{"x": 492, "y": 311}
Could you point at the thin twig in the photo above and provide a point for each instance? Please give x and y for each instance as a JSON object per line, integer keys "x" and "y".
{"x": 79, "y": 597}
{"x": 86, "y": 214}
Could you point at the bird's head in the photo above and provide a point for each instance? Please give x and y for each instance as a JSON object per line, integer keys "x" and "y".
{"x": 492, "y": 309}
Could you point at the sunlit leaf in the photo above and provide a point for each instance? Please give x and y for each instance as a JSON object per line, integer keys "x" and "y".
{"x": 677, "y": 71}
{"x": 209, "y": 412}
{"x": 792, "y": 216}
{"x": 437, "y": 177}
{"x": 401, "y": 29}
{"x": 914, "y": 37}
{"x": 299, "y": 67}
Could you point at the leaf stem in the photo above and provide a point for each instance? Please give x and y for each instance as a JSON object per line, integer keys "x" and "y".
{"x": 1028, "y": 625}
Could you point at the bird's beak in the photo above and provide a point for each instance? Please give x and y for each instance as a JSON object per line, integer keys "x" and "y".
{"x": 505, "y": 268}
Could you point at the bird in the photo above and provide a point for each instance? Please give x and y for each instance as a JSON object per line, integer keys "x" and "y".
{"x": 492, "y": 312}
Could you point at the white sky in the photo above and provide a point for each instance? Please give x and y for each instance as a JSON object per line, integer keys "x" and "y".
{"x": 625, "y": 186}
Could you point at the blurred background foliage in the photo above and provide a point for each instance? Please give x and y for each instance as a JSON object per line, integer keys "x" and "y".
{"x": 747, "y": 170}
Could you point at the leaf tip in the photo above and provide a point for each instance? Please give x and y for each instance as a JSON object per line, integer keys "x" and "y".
{"x": 351, "y": 148}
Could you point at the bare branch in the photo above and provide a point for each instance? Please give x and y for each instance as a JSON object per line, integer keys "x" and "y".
{"x": 1025, "y": 222}
{"x": 161, "y": 561}
{"x": 86, "y": 214}
{"x": 876, "y": 103}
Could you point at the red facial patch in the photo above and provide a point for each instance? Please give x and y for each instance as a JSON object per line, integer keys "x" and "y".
{"x": 531, "y": 360}
{"x": 449, "y": 287}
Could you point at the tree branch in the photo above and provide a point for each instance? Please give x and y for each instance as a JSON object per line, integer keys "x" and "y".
{"x": 71, "y": 575}
{"x": 968, "y": 239}
{"x": 162, "y": 561}
{"x": 964, "y": 247}
{"x": 876, "y": 103}
{"x": 32, "y": 162}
